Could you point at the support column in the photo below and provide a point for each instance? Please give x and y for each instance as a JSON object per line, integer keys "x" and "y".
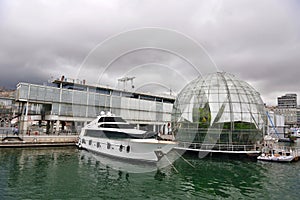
{"x": 73, "y": 127}
{"x": 63, "y": 124}
{"x": 24, "y": 128}
{"x": 51, "y": 127}
{"x": 48, "y": 127}
{"x": 23, "y": 123}
{"x": 57, "y": 127}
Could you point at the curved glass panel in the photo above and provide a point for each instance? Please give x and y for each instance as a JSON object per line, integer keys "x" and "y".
{"x": 219, "y": 109}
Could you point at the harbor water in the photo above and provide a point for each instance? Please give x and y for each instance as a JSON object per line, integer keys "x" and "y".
{"x": 69, "y": 173}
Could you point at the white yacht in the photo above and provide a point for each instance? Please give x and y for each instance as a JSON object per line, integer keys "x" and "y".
{"x": 113, "y": 136}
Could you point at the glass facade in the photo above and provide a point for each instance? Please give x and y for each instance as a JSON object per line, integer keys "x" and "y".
{"x": 6, "y": 112}
{"x": 86, "y": 102}
{"x": 219, "y": 109}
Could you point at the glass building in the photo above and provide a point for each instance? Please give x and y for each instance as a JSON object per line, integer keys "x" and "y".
{"x": 220, "y": 111}
{"x": 73, "y": 103}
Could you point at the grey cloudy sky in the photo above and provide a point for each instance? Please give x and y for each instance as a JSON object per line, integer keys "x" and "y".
{"x": 257, "y": 40}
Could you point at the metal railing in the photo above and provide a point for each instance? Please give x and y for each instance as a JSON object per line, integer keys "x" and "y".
{"x": 8, "y": 132}
{"x": 218, "y": 147}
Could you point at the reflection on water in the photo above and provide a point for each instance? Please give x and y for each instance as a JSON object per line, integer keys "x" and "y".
{"x": 117, "y": 164}
{"x": 68, "y": 173}
{"x": 221, "y": 177}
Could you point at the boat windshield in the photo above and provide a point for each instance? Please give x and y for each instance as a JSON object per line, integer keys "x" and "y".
{"x": 118, "y": 126}
{"x": 111, "y": 119}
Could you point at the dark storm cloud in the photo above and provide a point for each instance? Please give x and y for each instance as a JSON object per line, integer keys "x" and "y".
{"x": 259, "y": 41}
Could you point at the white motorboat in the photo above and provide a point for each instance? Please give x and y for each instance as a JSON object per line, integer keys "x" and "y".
{"x": 276, "y": 157}
{"x": 271, "y": 151}
{"x": 113, "y": 136}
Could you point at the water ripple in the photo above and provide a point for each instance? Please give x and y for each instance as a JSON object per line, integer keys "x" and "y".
{"x": 63, "y": 173}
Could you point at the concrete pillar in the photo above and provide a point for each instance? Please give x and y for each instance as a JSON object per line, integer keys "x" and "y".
{"x": 63, "y": 124}
{"x": 23, "y": 123}
{"x": 24, "y": 127}
{"x": 57, "y": 127}
{"x": 48, "y": 127}
{"x": 73, "y": 127}
{"x": 51, "y": 127}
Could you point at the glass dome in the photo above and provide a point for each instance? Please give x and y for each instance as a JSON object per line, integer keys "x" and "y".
{"x": 219, "y": 109}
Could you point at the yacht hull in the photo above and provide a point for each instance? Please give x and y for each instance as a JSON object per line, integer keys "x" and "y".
{"x": 144, "y": 150}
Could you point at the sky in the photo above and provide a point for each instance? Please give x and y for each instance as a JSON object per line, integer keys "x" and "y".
{"x": 163, "y": 44}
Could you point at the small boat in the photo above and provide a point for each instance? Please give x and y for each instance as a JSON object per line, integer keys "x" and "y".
{"x": 112, "y": 136}
{"x": 272, "y": 151}
{"x": 276, "y": 157}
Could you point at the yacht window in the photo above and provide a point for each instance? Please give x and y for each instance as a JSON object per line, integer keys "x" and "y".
{"x": 95, "y": 133}
{"x": 121, "y": 148}
{"x": 128, "y": 149}
{"x": 111, "y": 119}
{"x": 84, "y": 133}
{"x": 118, "y": 126}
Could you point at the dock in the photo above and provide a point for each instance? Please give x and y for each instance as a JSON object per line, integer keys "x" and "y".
{"x": 15, "y": 141}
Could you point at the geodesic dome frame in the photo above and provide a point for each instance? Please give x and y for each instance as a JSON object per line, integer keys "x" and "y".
{"x": 219, "y": 109}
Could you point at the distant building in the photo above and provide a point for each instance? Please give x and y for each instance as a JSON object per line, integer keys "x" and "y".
{"x": 7, "y": 108}
{"x": 7, "y": 111}
{"x": 298, "y": 115}
{"x": 287, "y": 101}
{"x": 290, "y": 115}
{"x": 4, "y": 93}
{"x": 287, "y": 106}
{"x": 276, "y": 121}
